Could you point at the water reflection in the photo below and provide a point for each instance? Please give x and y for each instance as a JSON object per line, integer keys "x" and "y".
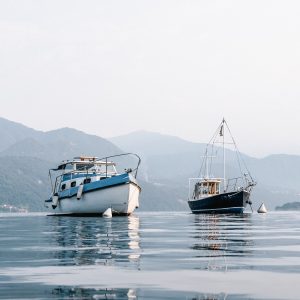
{"x": 153, "y": 257}
{"x": 90, "y": 293}
{"x": 90, "y": 241}
{"x": 218, "y": 237}
{"x": 127, "y": 294}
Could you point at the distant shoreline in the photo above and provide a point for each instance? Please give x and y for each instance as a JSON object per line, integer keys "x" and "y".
{"x": 289, "y": 206}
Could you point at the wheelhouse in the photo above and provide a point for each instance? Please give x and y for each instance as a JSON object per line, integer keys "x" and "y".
{"x": 203, "y": 188}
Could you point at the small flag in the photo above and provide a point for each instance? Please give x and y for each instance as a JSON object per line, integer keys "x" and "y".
{"x": 222, "y": 130}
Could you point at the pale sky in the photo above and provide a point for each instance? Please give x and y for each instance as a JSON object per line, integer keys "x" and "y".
{"x": 174, "y": 67}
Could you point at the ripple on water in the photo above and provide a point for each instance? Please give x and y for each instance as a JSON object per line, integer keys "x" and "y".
{"x": 154, "y": 255}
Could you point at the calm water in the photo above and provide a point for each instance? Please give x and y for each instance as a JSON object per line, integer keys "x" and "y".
{"x": 150, "y": 256}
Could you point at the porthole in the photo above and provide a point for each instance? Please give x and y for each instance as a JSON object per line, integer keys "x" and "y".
{"x": 87, "y": 180}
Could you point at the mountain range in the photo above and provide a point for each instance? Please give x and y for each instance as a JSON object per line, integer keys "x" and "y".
{"x": 26, "y": 155}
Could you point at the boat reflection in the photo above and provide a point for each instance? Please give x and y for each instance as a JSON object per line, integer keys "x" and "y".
{"x": 93, "y": 241}
{"x": 219, "y": 237}
{"x": 91, "y": 293}
{"x": 65, "y": 292}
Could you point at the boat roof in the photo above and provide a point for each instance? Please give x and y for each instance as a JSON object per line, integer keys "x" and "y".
{"x": 210, "y": 179}
{"x": 85, "y": 158}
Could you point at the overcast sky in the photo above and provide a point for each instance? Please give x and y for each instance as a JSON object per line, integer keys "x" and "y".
{"x": 174, "y": 67}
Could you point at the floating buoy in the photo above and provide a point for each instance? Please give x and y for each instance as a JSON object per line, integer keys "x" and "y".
{"x": 262, "y": 209}
{"x": 79, "y": 192}
{"x": 107, "y": 213}
{"x": 54, "y": 200}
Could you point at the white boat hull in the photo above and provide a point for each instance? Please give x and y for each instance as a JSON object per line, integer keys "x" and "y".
{"x": 122, "y": 199}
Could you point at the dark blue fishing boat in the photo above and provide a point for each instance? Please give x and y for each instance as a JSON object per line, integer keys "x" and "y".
{"x": 210, "y": 194}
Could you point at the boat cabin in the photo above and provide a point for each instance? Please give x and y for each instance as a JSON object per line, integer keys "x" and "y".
{"x": 83, "y": 170}
{"x": 88, "y": 172}
{"x": 206, "y": 187}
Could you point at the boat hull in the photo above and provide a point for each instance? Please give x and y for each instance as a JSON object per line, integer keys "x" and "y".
{"x": 233, "y": 202}
{"x": 123, "y": 199}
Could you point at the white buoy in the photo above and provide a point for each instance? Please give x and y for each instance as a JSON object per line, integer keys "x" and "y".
{"x": 79, "y": 192}
{"x": 107, "y": 213}
{"x": 262, "y": 209}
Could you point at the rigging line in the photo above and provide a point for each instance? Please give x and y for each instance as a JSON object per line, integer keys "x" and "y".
{"x": 236, "y": 148}
{"x": 239, "y": 154}
{"x": 211, "y": 144}
{"x": 202, "y": 163}
{"x": 211, "y": 158}
{"x": 212, "y": 141}
{"x": 215, "y": 133}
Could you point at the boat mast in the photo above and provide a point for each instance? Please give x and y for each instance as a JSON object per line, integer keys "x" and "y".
{"x": 223, "y": 135}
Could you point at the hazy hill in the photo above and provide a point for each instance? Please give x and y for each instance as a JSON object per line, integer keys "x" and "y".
{"x": 277, "y": 171}
{"x": 60, "y": 144}
{"x": 24, "y": 182}
{"x": 151, "y": 143}
{"x": 289, "y": 206}
{"x": 169, "y": 157}
{"x": 12, "y": 132}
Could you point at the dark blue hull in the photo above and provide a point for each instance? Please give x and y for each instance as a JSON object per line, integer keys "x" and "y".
{"x": 233, "y": 202}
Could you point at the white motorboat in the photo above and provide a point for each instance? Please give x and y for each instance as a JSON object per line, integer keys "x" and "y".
{"x": 89, "y": 186}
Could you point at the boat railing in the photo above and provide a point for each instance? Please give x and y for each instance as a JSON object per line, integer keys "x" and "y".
{"x": 135, "y": 170}
{"x": 60, "y": 178}
{"x": 239, "y": 183}
{"x": 233, "y": 184}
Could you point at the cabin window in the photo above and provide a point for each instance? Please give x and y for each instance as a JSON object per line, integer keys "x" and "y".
{"x": 217, "y": 188}
{"x": 212, "y": 188}
{"x": 87, "y": 180}
{"x": 69, "y": 167}
{"x": 204, "y": 188}
{"x": 63, "y": 186}
{"x": 83, "y": 167}
{"x": 73, "y": 183}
